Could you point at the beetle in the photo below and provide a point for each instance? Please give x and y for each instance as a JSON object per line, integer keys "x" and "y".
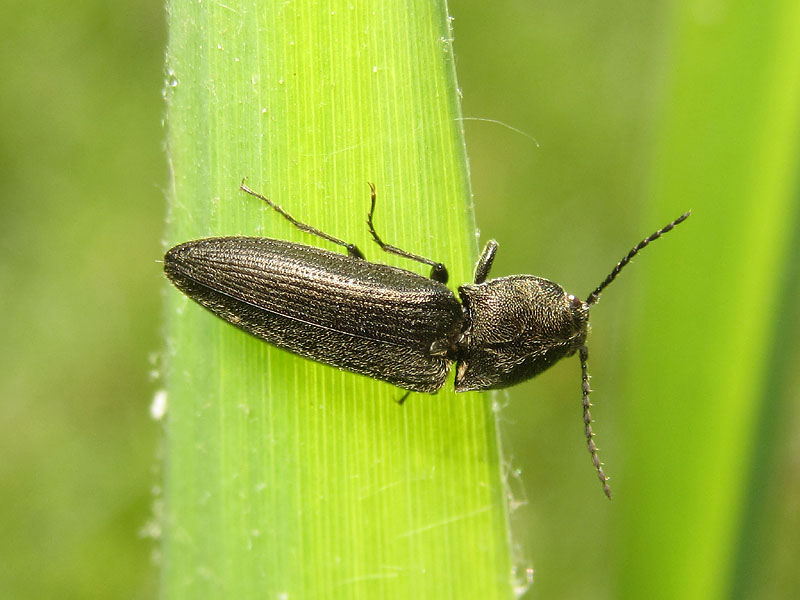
{"x": 390, "y": 323}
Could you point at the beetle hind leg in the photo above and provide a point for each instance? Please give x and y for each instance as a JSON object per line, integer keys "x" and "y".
{"x": 352, "y": 249}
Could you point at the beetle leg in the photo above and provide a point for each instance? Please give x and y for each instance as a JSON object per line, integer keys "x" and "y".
{"x": 438, "y": 270}
{"x": 485, "y": 261}
{"x": 352, "y": 249}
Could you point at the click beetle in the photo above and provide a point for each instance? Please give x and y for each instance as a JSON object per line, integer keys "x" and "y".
{"x": 389, "y": 323}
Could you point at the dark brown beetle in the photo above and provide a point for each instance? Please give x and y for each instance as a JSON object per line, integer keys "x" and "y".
{"x": 389, "y": 323}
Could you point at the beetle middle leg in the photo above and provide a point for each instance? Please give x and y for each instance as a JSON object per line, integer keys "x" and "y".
{"x": 352, "y": 249}
{"x": 438, "y": 270}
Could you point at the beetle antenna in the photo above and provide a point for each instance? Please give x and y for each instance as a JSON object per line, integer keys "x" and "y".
{"x": 595, "y": 295}
{"x": 587, "y": 421}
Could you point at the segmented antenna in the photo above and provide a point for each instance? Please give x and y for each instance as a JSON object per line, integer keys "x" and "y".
{"x": 595, "y": 295}
{"x": 587, "y": 421}
{"x": 584, "y": 352}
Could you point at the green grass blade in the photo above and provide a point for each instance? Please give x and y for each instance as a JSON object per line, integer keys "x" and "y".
{"x": 728, "y": 149}
{"x": 287, "y": 479}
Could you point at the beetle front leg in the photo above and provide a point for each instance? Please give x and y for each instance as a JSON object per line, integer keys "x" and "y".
{"x": 485, "y": 261}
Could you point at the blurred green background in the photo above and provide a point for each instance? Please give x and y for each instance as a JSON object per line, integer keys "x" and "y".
{"x": 641, "y": 110}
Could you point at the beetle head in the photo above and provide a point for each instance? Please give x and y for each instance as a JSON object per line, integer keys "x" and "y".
{"x": 516, "y": 328}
